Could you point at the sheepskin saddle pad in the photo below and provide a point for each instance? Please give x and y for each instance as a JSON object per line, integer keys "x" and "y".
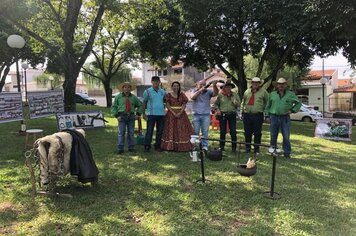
{"x": 64, "y": 152}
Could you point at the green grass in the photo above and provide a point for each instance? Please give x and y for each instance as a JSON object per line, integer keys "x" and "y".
{"x": 157, "y": 193}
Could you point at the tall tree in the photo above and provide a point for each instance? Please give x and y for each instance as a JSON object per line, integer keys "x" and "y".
{"x": 113, "y": 49}
{"x": 93, "y": 76}
{"x": 66, "y": 27}
{"x": 221, "y": 33}
{"x": 52, "y": 81}
{"x": 335, "y": 21}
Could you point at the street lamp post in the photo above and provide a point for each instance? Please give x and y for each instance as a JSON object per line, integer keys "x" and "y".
{"x": 323, "y": 81}
{"x": 17, "y": 42}
{"x": 25, "y": 67}
{"x": 51, "y": 79}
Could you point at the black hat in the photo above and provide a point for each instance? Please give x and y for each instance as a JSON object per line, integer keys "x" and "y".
{"x": 155, "y": 78}
{"x": 228, "y": 83}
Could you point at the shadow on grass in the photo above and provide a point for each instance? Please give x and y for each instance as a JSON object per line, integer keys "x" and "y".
{"x": 157, "y": 194}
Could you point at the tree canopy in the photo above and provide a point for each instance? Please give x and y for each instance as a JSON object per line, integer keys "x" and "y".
{"x": 67, "y": 28}
{"x": 221, "y": 33}
{"x": 112, "y": 50}
{"x": 8, "y": 55}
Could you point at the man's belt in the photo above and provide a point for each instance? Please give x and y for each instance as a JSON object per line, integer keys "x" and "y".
{"x": 125, "y": 113}
{"x": 252, "y": 113}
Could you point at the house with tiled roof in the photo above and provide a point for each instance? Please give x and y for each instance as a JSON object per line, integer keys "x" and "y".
{"x": 314, "y": 90}
{"x": 338, "y": 93}
{"x": 178, "y": 70}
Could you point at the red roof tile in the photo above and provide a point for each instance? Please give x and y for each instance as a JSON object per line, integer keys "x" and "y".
{"x": 317, "y": 74}
{"x": 346, "y": 89}
{"x": 343, "y": 82}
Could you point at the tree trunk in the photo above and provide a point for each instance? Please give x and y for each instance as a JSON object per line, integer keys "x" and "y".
{"x": 72, "y": 70}
{"x": 3, "y": 78}
{"x": 69, "y": 86}
{"x": 108, "y": 94}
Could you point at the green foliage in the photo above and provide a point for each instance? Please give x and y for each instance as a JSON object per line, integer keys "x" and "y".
{"x": 222, "y": 33}
{"x": 113, "y": 49}
{"x": 8, "y": 55}
{"x": 66, "y": 28}
{"x": 51, "y": 81}
{"x": 94, "y": 77}
{"x": 156, "y": 193}
{"x": 332, "y": 29}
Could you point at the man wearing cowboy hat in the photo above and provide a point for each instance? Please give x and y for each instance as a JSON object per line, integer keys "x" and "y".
{"x": 281, "y": 103}
{"x": 253, "y": 105}
{"x": 126, "y": 108}
{"x": 227, "y": 103}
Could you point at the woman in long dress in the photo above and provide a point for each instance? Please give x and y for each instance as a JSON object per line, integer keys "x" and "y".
{"x": 177, "y": 127}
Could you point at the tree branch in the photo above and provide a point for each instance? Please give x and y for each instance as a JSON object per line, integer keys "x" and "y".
{"x": 30, "y": 32}
{"x": 263, "y": 58}
{"x": 84, "y": 70}
{"x": 280, "y": 63}
{"x": 55, "y": 13}
{"x": 90, "y": 42}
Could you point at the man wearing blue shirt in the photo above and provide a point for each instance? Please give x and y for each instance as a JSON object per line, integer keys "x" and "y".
{"x": 201, "y": 109}
{"x": 153, "y": 113}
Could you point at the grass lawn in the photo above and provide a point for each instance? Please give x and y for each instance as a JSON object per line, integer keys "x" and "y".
{"x": 157, "y": 194}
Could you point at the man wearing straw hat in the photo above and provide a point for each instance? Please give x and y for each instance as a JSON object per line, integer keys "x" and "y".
{"x": 126, "y": 108}
{"x": 253, "y": 105}
{"x": 281, "y": 103}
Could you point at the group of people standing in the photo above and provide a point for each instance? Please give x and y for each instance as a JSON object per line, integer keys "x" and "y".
{"x": 166, "y": 111}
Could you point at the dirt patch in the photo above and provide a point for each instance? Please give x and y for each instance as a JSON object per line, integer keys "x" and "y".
{"x": 4, "y": 206}
{"x": 8, "y": 229}
{"x": 238, "y": 223}
{"x": 8, "y": 212}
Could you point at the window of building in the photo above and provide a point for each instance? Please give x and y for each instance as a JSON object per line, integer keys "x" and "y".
{"x": 178, "y": 71}
{"x": 162, "y": 72}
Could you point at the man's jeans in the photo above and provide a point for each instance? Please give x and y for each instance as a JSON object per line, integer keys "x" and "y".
{"x": 151, "y": 122}
{"x": 224, "y": 119}
{"x": 202, "y": 122}
{"x": 253, "y": 126}
{"x": 281, "y": 122}
{"x": 126, "y": 120}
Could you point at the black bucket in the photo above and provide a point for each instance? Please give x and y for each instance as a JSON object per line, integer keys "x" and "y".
{"x": 215, "y": 155}
{"x": 242, "y": 170}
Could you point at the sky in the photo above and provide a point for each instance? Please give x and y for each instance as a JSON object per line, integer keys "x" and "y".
{"x": 338, "y": 62}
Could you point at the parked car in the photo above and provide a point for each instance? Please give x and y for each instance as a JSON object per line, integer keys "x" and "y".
{"x": 84, "y": 99}
{"x": 303, "y": 99}
{"x": 306, "y": 114}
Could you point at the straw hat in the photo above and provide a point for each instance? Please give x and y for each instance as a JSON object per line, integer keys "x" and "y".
{"x": 121, "y": 86}
{"x": 256, "y": 79}
{"x": 281, "y": 81}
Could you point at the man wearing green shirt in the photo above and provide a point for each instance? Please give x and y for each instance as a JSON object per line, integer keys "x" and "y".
{"x": 253, "y": 105}
{"x": 281, "y": 103}
{"x": 124, "y": 108}
{"x": 226, "y": 104}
